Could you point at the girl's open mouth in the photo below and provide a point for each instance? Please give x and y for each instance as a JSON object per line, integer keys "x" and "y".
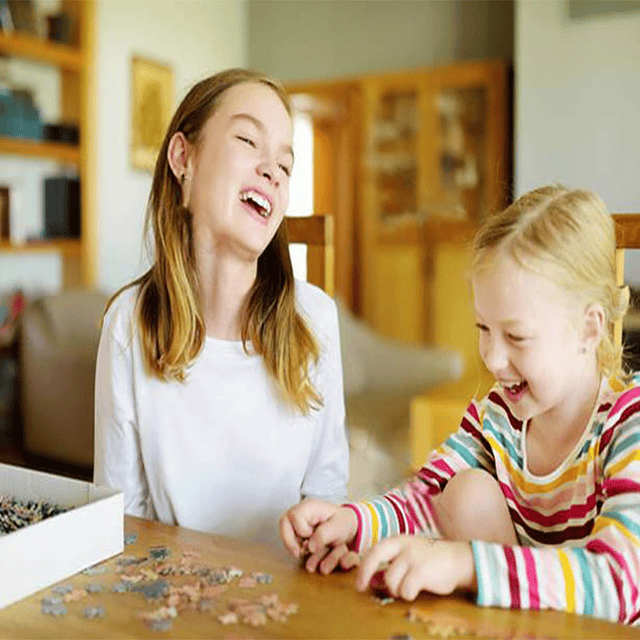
{"x": 515, "y": 391}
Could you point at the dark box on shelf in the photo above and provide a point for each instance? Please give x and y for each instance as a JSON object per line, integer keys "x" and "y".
{"x": 62, "y": 207}
{"x": 61, "y": 132}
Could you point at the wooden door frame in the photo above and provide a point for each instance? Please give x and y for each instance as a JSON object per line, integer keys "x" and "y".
{"x": 334, "y": 108}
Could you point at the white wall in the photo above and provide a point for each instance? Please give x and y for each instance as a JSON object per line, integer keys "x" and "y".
{"x": 577, "y": 101}
{"x": 195, "y": 37}
{"x": 310, "y": 39}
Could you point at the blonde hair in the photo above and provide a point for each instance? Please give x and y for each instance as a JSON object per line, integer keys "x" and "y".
{"x": 169, "y": 316}
{"x": 568, "y": 236}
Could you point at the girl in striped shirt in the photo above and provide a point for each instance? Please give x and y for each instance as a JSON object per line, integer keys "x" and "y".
{"x": 535, "y": 501}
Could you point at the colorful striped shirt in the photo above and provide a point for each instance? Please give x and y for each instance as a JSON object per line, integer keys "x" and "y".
{"x": 578, "y": 527}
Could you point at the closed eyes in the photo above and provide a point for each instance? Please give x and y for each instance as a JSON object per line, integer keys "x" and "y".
{"x": 283, "y": 167}
{"x": 511, "y": 336}
{"x": 249, "y": 141}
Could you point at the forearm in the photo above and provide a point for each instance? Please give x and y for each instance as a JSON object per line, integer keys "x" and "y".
{"x": 407, "y": 510}
{"x": 565, "y": 579}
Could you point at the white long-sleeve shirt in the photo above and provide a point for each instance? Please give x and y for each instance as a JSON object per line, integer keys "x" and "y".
{"x": 219, "y": 452}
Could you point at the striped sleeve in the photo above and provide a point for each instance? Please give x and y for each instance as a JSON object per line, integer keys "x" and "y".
{"x": 409, "y": 509}
{"x": 598, "y": 575}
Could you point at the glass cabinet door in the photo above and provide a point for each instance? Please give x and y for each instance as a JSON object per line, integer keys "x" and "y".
{"x": 394, "y": 149}
{"x": 435, "y": 161}
{"x": 459, "y": 147}
{"x": 465, "y": 114}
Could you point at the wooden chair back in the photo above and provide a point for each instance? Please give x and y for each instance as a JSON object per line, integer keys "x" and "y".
{"x": 627, "y": 237}
{"x": 317, "y": 233}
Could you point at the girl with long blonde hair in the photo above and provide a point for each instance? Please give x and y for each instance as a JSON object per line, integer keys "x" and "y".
{"x": 218, "y": 386}
{"x": 534, "y": 503}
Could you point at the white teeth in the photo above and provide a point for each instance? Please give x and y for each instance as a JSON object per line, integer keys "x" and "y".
{"x": 260, "y": 200}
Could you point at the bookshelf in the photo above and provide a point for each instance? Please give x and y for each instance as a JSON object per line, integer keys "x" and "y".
{"x": 77, "y": 104}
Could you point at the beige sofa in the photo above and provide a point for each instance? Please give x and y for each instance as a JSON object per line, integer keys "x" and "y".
{"x": 58, "y": 344}
{"x": 380, "y": 378}
{"x": 59, "y": 338}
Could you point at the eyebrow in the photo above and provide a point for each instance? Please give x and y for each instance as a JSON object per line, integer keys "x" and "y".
{"x": 506, "y": 323}
{"x": 260, "y": 125}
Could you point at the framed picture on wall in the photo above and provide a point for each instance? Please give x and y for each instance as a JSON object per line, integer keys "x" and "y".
{"x": 152, "y": 105}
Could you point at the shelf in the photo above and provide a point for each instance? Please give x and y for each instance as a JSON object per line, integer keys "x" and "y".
{"x": 68, "y": 247}
{"x": 45, "y": 51}
{"x": 40, "y": 149}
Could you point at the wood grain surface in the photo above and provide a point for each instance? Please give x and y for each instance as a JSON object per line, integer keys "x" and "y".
{"x": 329, "y": 606}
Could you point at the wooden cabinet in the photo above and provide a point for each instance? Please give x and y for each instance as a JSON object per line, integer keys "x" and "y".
{"x": 409, "y": 163}
{"x": 435, "y": 160}
{"x": 77, "y": 99}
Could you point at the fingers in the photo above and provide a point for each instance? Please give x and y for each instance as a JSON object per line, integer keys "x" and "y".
{"x": 288, "y": 535}
{"x": 318, "y": 532}
{"x": 398, "y": 579}
{"x": 334, "y": 558}
{"x": 383, "y": 552}
{"x": 312, "y": 562}
{"x": 337, "y": 529}
{"x": 349, "y": 561}
{"x": 410, "y": 586}
{"x": 298, "y": 523}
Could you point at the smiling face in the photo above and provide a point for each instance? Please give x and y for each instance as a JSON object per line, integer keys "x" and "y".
{"x": 237, "y": 177}
{"x": 531, "y": 338}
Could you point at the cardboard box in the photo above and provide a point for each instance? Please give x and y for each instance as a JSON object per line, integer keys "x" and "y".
{"x": 40, "y": 554}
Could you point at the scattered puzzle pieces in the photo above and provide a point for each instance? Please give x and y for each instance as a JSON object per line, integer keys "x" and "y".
{"x": 440, "y": 627}
{"x": 95, "y": 611}
{"x": 53, "y": 606}
{"x": 94, "y": 587}
{"x": 75, "y": 595}
{"x": 176, "y": 585}
{"x": 130, "y": 538}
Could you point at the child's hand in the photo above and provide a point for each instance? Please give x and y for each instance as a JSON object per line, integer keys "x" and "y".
{"x": 419, "y": 564}
{"x": 322, "y": 530}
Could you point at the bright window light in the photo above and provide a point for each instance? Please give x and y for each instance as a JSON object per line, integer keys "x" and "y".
{"x": 301, "y": 185}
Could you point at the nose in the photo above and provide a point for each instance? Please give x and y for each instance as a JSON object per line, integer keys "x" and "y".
{"x": 495, "y": 355}
{"x": 268, "y": 168}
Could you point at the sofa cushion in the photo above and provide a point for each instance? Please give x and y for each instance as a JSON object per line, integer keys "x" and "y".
{"x": 58, "y": 347}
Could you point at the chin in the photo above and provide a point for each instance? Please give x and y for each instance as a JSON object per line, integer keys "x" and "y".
{"x": 521, "y": 411}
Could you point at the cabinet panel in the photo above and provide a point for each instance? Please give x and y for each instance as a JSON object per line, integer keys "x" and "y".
{"x": 436, "y": 157}
{"x": 400, "y": 306}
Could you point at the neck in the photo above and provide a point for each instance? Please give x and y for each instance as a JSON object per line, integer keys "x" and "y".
{"x": 225, "y": 282}
{"x": 565, "y": 424}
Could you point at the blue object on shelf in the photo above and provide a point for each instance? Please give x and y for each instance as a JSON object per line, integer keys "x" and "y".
{"x": 19, "y": 117}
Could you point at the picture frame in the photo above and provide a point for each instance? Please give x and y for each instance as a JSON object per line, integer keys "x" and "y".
{"x": 152, "y": 105}
{"x": 4, "y": 213}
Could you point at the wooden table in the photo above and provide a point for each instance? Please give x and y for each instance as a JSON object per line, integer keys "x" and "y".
{"x": 329, "y": 606}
